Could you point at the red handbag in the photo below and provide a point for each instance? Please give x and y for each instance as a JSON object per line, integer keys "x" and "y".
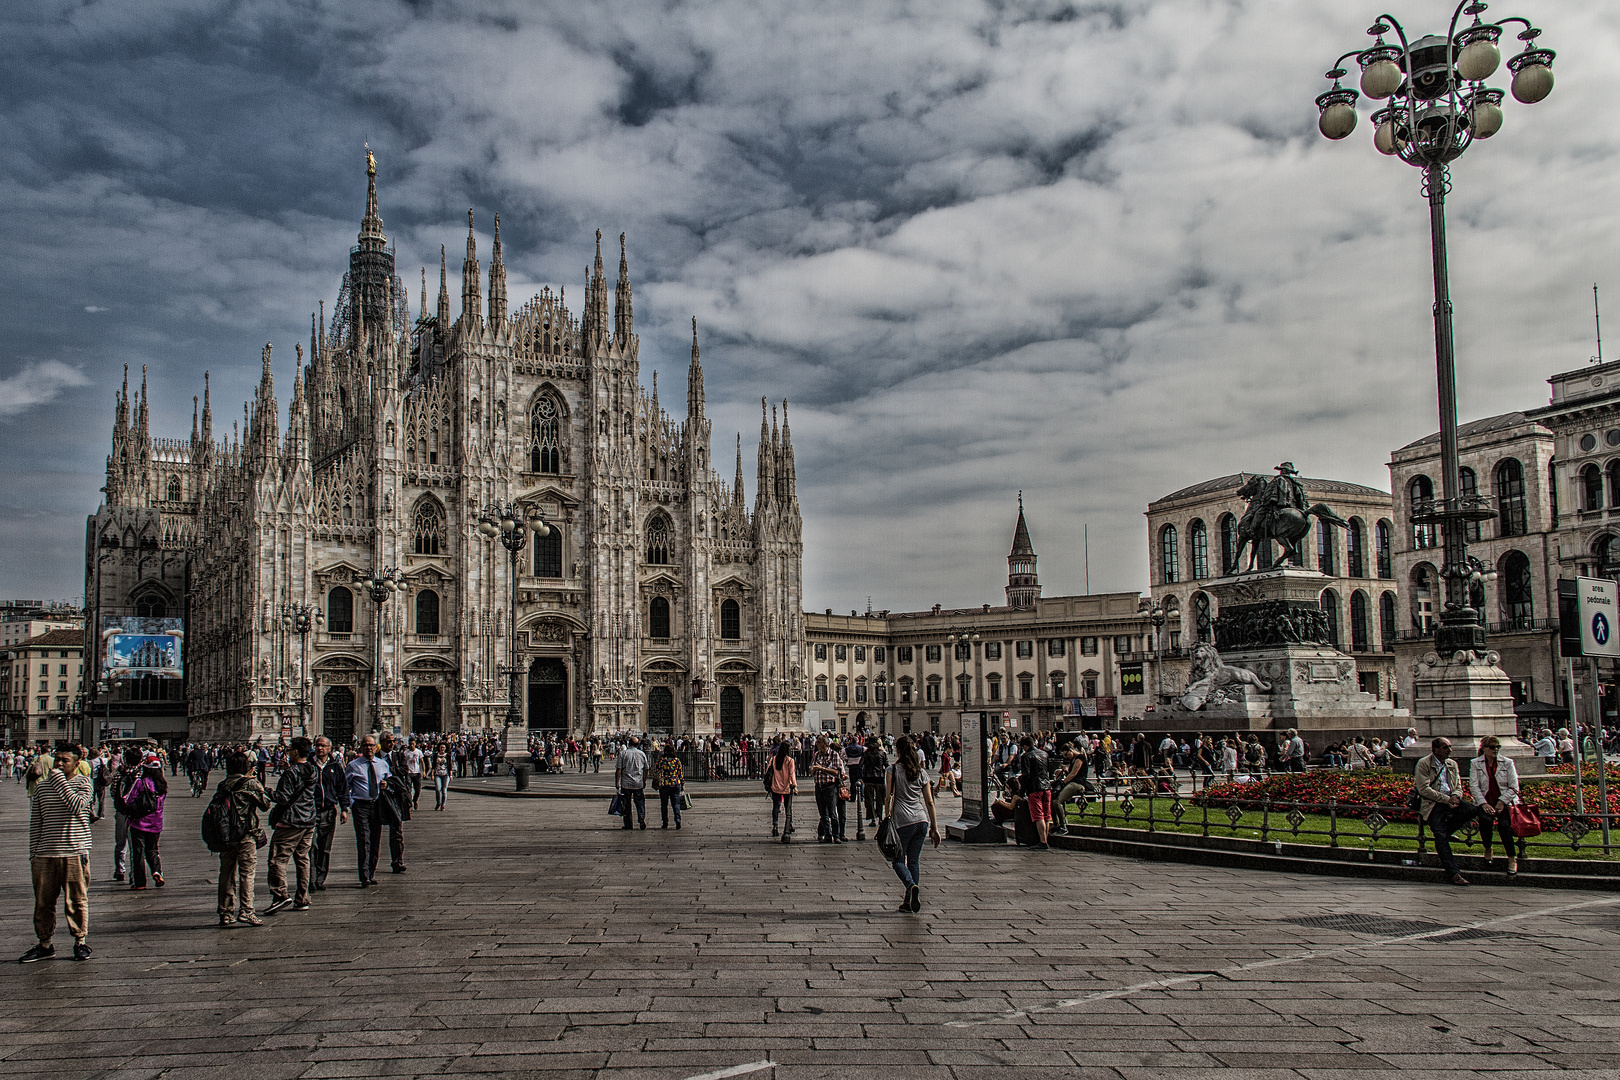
{"x": 1524, "y": 819}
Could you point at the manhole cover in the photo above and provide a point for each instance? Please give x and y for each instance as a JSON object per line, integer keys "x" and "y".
{"x": 1376, "y": 925}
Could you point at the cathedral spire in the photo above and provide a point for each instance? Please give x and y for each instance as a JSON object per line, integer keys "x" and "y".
{"x": 372, "y": 237}
{"x": 471, "y": 301}
{"x": 422, "y": 310}
{"x": 121, "y": 415}
{"x": 207, "y": 415}
{"x": 785, "y": 463}
{"x": 297, "y": 442}
{"x": 623, "y": 322}
{"x": 497, "y": 280}
{"x": 694, "y": 378}
{"x": 444, "y": 293}
{"x": 655, "y": 397}
{"x": 765, "y": 459}
{"x": 141, "y": 431}
{"x": 193, "y": 419}
{"x": 1023, "y": 586}
{"x": 737, "y": 491}
{"x": 596, "y": 312}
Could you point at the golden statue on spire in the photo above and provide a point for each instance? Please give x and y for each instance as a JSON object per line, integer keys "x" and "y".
{"x": 371, "y": 161}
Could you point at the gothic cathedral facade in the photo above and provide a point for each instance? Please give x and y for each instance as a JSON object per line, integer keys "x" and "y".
{"x": 656, "y": 601}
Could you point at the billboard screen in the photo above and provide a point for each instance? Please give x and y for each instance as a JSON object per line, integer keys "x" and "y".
{"x": 133, "y": 647}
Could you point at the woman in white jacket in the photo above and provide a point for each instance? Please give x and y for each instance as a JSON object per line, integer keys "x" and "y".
{"x": 1494, "y": 780}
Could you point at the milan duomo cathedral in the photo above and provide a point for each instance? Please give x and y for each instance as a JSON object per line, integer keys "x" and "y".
{"x": 656, "y": 601}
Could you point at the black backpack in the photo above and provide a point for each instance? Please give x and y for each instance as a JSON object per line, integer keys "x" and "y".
{"x": 224, "y": 826}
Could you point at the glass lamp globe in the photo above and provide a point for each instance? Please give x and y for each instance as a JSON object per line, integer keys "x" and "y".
{"x": 1380, "y": 79}
{"x": 1337, "y": 120}
{"x": 1478, "y": 60}
{"x": 1485, "y": 119}
{"x": 1384, "y": 138}
{"x": 1532, "y": 83}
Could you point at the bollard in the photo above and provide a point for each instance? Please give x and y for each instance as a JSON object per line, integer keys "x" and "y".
{"x": 521, "y": 773}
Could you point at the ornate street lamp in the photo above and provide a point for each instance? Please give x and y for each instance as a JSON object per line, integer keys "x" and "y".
{"x": 1155, "y": 613}
{"x": 1438, "y": 104}
{"x": 511, "y": 524}
{"x": 380, "y": 585}
{"x": 301, "y": 619}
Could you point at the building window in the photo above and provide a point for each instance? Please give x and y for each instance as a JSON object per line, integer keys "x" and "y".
{"x": 1354, "y": 558}
{"x": 1056, "y": 647}
{"x": 1468, "y": 487}
{"x": 1510, "y": 498}
{"x": 882, "y": 694}
{"x": 905, "y": 691}
{"x": 1419, "y": 493}
{"x": 932, "y": 692}
{"x": 860, "y": 654}
{"x": 1057, "y": 686}
{"x": 730, "y": 621}
{"x": 860, "y": 691}
{"x": 1330, "y": 608}
{"x": 174, "y": 489}
{"x": 931, "y": 654}
{"x": 964, "y": 688}
{"x": 1023, "y": 650}
{"x": 1026, "y": 688}
{"x": 843, "y": 693}
{"x": 1169, "y": 556}
{"x": 993, "y": 688}
{"x": 840, "y": 653}
{"x": 1229, "y": 543}
{"x": 992, "y": 650}
{"x": 902, "y": 654}
{"x": 429, "y": 527}
{"x": 1360, "y": 627}
{"x": 821, "y": 689}
{"x": 1088, "y": 646}
{"x": 427, "y": 612}
{"x": 1386, "y": 621}
{"x": 545, "y": 454}
{"x": 821, "y": 650}
{"x": 1203, "y": 624}
{"x": 1122, "y": 643}
{"x": 548, "y": 552}
{"x": 1326, "y": 558}
{"x": 151, "y": 607}
{"x": 1424, "y": 580}
{"x": 1198, "y": 537}
{"x": 658, "y": 540}
{"x": 1517, "y": 600}
{"x": 1614, "y": 483}
{"x": 658, "y": 617}
{"x": 963, "y": 651}
{"x": 1591, "y": 488}
{"x": 340, "y": 611}
{"x": 1381, "y": 538}
{"x": 878, "y": 654}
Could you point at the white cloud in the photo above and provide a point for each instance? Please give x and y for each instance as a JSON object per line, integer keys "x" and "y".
{"x": 36, "y": 384}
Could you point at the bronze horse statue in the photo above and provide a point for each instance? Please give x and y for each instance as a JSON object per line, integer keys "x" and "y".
{"x": 1286, "y": 524}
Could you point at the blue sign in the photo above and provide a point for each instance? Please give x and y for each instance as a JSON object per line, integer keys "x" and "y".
{"x": 1600, "y": 628}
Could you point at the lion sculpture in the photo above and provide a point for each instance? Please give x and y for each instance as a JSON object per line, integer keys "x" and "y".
{"x": 1217, "y": 683}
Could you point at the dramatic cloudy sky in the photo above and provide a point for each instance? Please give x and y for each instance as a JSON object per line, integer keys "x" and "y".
{"x": 1093, "y": 251}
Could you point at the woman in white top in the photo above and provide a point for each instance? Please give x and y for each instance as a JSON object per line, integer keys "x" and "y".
{"x": 910, "y": 804}
{"x": 1494, "y": 780}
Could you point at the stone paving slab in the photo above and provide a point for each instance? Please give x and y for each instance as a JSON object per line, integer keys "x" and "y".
{"x": 535, "y": 938}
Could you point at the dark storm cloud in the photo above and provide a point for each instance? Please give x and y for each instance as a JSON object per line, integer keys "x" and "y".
{"x": 1091, "y": 251}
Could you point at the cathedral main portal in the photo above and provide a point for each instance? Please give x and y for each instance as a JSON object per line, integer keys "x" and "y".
{"x": 548, "y": 695}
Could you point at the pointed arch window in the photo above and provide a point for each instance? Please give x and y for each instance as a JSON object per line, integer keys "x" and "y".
{"x": 548, "y": 553}
{"x": 658, "y": 617}
{"x": 427, "y": 612}
{"x": 658, "y": 540}
{"x": 730, "y": 621}
{"x": 545, "y": 437}
{"x": 428, "y": 528}
{"x": 1198, "y": 537}
{"x": 340, "y": 611}
{"x": 174, "y": 489}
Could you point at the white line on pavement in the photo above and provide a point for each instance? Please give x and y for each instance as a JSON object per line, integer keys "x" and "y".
{"x": 735, "y": 1070}
{"x": 1278, "y": 961}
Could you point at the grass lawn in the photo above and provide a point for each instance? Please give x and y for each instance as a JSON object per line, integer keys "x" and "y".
{"x": 1353, "y": 833}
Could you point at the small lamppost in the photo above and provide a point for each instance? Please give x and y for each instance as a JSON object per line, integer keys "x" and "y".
{"x": 301, "y": 619}
{"x": 1155, "y": 613}
{"x": 511, "y": 524}
{"x": 1438, "y": 105}
{"x": 379, "y": 585}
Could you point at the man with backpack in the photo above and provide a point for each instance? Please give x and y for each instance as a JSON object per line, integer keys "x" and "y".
{"x": 293, "y": 819}
{"x": 1036, "y": 787}
{"x": 874, "y": 766}
{"x": 231, "y": 827}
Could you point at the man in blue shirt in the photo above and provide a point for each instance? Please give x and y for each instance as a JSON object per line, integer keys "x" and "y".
{"x": 365, "y": 776}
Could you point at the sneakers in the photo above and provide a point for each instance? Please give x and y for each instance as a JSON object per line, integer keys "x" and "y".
{"x": 301, "y": 907}
{"x": 81, "y": 951}
{"x": 37, "y": 953}
{"x": 137, "y": 888}
{"x": 227, "y": 920}
{"x": 678, "y": 825}
{"x": 247, "y": 918}
{"x": 157, "y": 879}
{"x": 773, "y": 830}
{"x": 278, "y": 905}
{"x": 118, "y": 877}
{"x": 914, "y": 898}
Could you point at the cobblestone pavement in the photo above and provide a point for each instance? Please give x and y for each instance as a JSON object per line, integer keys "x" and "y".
{"x": 531, "y": 938}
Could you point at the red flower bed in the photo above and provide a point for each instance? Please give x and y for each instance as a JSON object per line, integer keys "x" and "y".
{"x": 1354, "y": 792}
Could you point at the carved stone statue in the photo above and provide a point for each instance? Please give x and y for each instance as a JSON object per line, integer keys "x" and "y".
{"x": 1216, "y": 683}
{"x": 1278, "y": 510}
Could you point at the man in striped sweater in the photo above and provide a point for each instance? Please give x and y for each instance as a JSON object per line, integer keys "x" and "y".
{"x": 59, "y": 853}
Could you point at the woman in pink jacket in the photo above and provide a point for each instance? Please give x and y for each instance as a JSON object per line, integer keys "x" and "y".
{"x": 143, "y": 804}
{"x": 782, "y": 778}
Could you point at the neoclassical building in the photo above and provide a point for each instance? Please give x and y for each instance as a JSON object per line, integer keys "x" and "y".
{"x": 658, "y": 600}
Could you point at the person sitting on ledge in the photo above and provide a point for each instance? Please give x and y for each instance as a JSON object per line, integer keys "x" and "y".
{"x": 1439, "y": 785}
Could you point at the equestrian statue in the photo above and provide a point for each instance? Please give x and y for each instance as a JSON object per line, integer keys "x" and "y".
{"x": 1278, "y": 511}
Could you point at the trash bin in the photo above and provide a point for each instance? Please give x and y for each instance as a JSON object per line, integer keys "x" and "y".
{"x": 521, "y": 772}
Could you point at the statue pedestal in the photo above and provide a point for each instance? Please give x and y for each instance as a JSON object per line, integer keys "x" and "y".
{"x": 515, "y": 744}
{"x": 1465, "y": 698}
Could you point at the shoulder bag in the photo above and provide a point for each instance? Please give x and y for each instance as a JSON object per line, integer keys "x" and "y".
{"x": 1524, "y": 820}
{"x": 888, "y": 839}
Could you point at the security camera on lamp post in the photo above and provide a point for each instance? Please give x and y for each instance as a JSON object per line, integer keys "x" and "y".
{"x": 1438, "y": 105}
{"x": 511, "y": 524}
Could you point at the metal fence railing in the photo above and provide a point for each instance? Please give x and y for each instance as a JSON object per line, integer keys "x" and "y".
{"x": 1362, "y": 826}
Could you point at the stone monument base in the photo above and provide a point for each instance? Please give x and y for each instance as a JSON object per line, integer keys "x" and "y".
{"x": 1465, "y": 698}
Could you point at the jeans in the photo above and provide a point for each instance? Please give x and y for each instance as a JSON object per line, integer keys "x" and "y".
{"x": 416, "y": 789}
{"x": 321, "y": 853}
{"x": 638, "y": 796}
{"x": 827, "y": 807}
{"x": 779, "y": 805}
{"x": 1445, "y": 820}
{"x": 1060, "y": 815}
{"x": 908, "y": 867}
{"x": 872, "y": 790}
{"x": 143, "y": 848}
{"x": 290, "y": 843}
{"x": 121, "y": 839}
{"x": 668, "y": 797}
{"x": 441, "y": 791}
